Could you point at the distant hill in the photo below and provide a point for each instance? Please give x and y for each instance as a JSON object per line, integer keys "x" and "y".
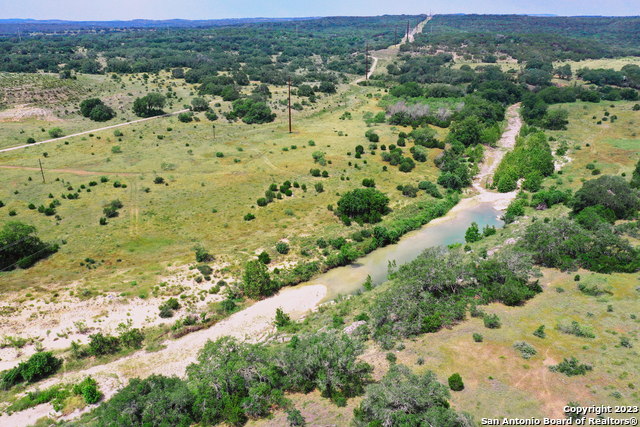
{"x": 11, "y": 26}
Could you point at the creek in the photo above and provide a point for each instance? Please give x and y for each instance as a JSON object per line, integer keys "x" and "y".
{"x": 348, "y": 279}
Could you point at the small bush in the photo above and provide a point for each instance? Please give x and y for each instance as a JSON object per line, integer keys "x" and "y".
{"x": 592, "y": 290}
{"x": 294, "y": 417}
{"x": 249, "y": 217}
{"x": 540, "y": 333}
{"x": 100, "y": 344}
{"x": 455, "y": 382}
{"x": 526, "y": 350}
{"x": 282, "y": 248}
{"x": 492, "y": 321}
{"x": 571, "y": 367}
{"x": 391, "y": 358}
{"x": 625, "y": 342}
{"x": 264, "y": 258}
{"x": 477, "y": 337}
{"x": 88, "y": 389}
{"x": 576, "y": 329}
{"x": 282, "y": 318}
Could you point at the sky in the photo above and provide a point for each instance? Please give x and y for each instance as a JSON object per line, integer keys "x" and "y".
{"x": 101, "y": 10}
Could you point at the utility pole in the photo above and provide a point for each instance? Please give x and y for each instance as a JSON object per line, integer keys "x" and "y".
{"x": 366, "y": 58}
{"x": 19, "y": 36}
{"x": 289, "y": 104}
{"x": 407, "y": 31}
{"x": 41, "y": 171}
{"x": 395, "y": 36}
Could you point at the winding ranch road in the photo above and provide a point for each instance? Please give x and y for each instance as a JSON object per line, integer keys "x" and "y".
{"x": 90, "y": 131}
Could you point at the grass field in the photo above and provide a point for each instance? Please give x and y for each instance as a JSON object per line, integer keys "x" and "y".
{"x": 159, "y": 224}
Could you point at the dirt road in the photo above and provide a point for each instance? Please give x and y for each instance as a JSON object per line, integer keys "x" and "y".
{"x": 90, "y": 131}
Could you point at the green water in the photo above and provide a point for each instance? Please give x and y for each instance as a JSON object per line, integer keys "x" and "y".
{"x": 347, "y": 280}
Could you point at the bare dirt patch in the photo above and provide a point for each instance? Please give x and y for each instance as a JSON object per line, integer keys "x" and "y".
{"x": 24, "y": 112}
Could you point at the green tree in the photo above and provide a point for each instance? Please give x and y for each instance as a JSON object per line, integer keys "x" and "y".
{"x": 556, "y": 119}
{"x": 88, "y": 105}
{"x": 101, "y": 113}
{"x": 612, "y": 192}
{"x": 468, "y": 131}
{"x": 257, "y": 281}
{"x": 158, "y": 400}
{"x": 473, "y": 233}
{"x": 21, "y": 245}
{"x": 56, "y": 132}
{"x": 199, "y": 104}
{"x": 150, "y": 105}
{"x": 282, "y": 318}
{"x": 403, "y": 398}
{"x": 367, "y": 204}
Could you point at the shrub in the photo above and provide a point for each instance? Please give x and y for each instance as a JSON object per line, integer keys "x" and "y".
{"x": 158, "y": 180}
{"x": 165, "y": 311}
{"x": 571, "y": 367}
{"x": 576, "y": 329}
{"x": 455, "y": 382}
{"x": 249, "y": 217}
{"x": 282, "y": 318}
{"x": 319, "y": 187}
{"x": 370, "y": 183}
{"x": 372, "y": 136}
{"x": 88, "y": 388}
{"x": 295, "y": 418}
{"x": 593, "y": 290}
{"x": 202, "y": 254}
{"x": 540, "y": 333}
{"x": 37, "y": 367}
{"x": 526, "y": 350}
{"x": 391, "y": 358}
{"x": 31, "y": 141}
{"x": 492, "y": 321}
{"x": 264, "y": 258}
{"x": 282, "y": 248}
{"x": 100, "y": 344}
{"x": 56, "y": 132}
{"x": 409, "y": 191}
{"x": 262, "y": 201}
{"x": 477, "y": 337}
